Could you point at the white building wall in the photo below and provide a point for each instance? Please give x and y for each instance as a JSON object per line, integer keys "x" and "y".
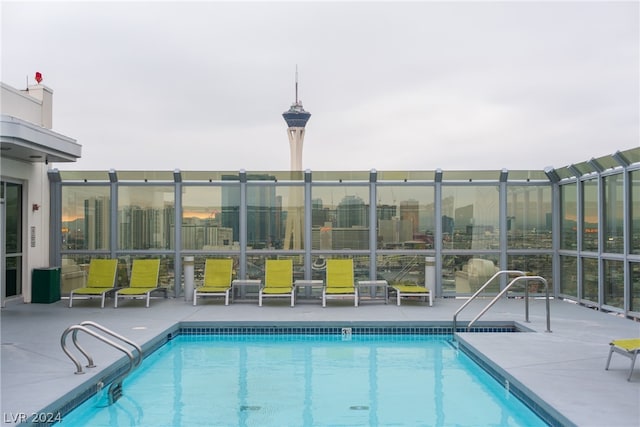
{"x": 34, "y": 105}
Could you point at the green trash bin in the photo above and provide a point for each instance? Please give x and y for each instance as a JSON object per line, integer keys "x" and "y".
{"x": 45, "y": 285}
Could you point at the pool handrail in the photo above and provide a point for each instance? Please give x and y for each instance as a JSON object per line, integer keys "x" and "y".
{"x": 521, "y": 275}
{"x": 115, "y": 389}
{"x": 137, "y": 355}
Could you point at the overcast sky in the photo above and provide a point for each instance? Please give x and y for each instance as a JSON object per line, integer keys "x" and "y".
{"x": 390, "y": 86}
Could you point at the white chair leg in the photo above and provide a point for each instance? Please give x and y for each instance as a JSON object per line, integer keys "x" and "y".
{"x": 148, "y": 298}
{"x": 195, "y": 296}
{"x": 260, "y": 299}
{"x": 292, "y": 299}
{"x": 356, "y": 297}
{"x": 324, "y": 299}
{"x": 226, "y": 297}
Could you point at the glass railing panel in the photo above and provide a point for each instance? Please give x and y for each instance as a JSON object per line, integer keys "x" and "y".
{"x": 340, "y": 176}
{"x": 145, "y": 176}
{"x": 613, "y": 220}
{"x": 276, "y": 175}
{"x": 275, "y": 216}
{"x": 527, "y": 175}
{"x": 568, "y": 216}
{"x": 406, "y": 176}
{"x": 634, "y": 203}
{"x": 492, "y": 175}
{"x": 401, "y": 269}
{"x": 633, "y": 155}
{"x": 465, "y": 274}
{"x": 406, "y": 216}
{"x": 590, "y": 222}
{"x": 146, "y": 217}
{"x": 569, "y": 276}
{"x": 535, "y": 265}
{"x": 634, "y": 272}
{"x": 529, "y": 217}
{"x": 86, "y": 217}
{"x": 210, "y": 176}
{"x": 613, "y": 283}
{"x": 590, "y": 279}
{"x": 340, "y": 217}
{"x": 470, "y": 217}
{"x": 84, "y": 176}
{"x": 565, "y": 173}
{"x": 211, "y": 218}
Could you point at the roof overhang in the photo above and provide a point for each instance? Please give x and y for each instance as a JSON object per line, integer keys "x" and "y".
{"x": 22, "y": 140}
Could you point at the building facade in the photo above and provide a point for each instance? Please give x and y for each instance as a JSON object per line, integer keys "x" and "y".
{"x": 28, "y": 149}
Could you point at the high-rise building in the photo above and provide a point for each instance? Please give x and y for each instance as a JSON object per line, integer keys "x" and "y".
{"x": 296, "y": 118}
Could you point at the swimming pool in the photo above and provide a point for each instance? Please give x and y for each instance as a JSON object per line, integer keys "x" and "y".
{"x": 308, "y": 380}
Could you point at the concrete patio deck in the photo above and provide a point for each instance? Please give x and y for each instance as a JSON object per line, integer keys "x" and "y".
{"x": 564, "y": 368}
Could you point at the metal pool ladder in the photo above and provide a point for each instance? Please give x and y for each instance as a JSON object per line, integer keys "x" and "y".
{"x": 521, "y": 277}
{"x": 115, "y": 389}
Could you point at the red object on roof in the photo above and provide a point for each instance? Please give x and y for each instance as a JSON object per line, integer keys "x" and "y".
{"x": 38, "y": 77}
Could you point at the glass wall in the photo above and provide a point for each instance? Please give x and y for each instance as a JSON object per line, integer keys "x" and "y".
{"x": 340, "y": 217}
{"x": 569, "y": 276}
{"x": 634, "y": 205}
{"x": 86, "y": 217}
{"x": 536, "y": 265}
{"x": 210, "y": 218}
{"x": 635, "y": 287}
{"x": 146, "y": 217}
{"x": 568, "y": 216}
{"x": 590, "y": 279}
{"x": 590, "y": 215}
{"x": 470, "y": 217}
{"x": 613, "y": 283}
{"x": 275, "y": 215}
{"x": 472, "y": 223}
{"x": 406, "y": 217}
{"x": 529, "y": 217}
{"x": 465, "y": 274}
{"x": 613, "y": 214}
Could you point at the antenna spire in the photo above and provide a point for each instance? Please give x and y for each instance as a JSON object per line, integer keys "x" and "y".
{"x": 296, "y": 84}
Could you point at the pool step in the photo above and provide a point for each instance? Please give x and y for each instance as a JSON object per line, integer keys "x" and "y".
{"x": 115, "y": 392}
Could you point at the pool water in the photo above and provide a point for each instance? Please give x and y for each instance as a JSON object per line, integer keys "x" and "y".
{"x": 307, "y": 380}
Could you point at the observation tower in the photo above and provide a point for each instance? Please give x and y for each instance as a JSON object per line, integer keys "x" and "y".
{"x": 296, "y": 118}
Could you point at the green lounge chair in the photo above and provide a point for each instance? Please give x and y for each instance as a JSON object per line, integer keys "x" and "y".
{"x": 339, "y": 281}
{"x": 217, "y": 279}
{"x": 628, "y": 347}
{"x": 144, "y": 281}
{"x": 100, "y": 281}
{"x": 278, "y": 280}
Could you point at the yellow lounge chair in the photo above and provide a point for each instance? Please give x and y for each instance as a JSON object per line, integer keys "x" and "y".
{"x": 413, "y": 291}
{"x": 628, "y": 347}
{"x": 278, "y": 280}
{"x": 339, "y": 280}
{"x": 100, "y": 281}
{"x": 217, "y": 279}
{"x": 144, "y": 281}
